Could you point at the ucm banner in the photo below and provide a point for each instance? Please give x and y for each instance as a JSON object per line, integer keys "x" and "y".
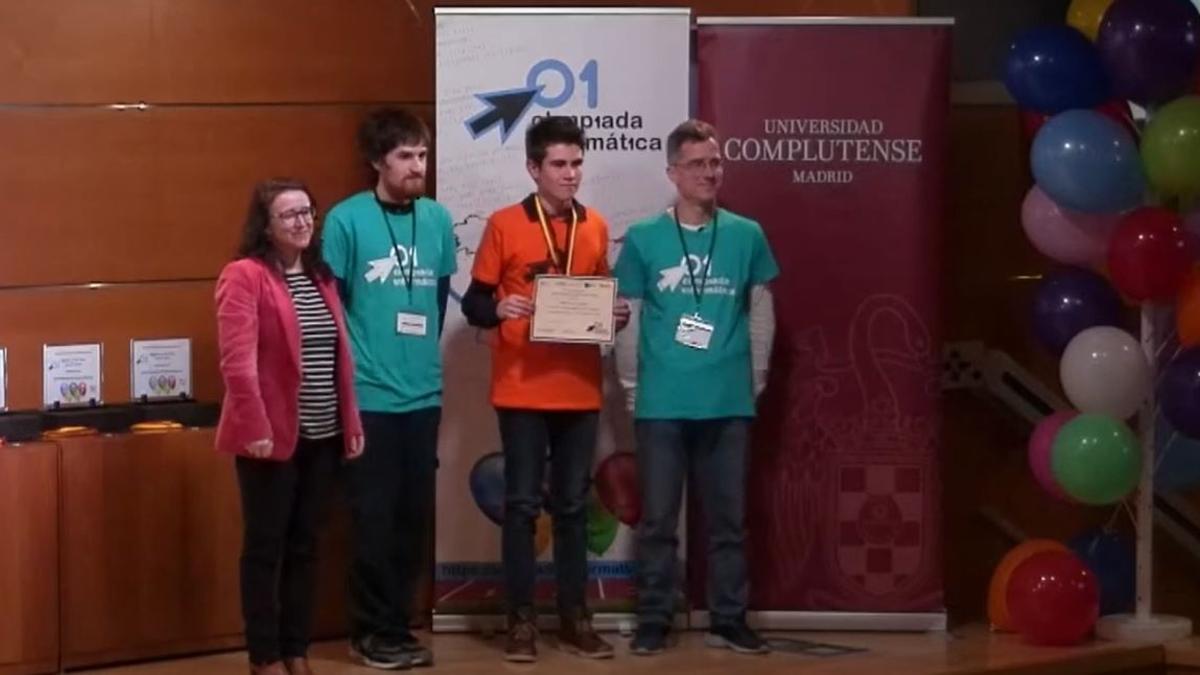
{"x": 834, "y": 138}
{"x": 623, "y": 73}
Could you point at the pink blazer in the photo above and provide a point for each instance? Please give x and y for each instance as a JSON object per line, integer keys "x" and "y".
{"x": 259, "y": 338}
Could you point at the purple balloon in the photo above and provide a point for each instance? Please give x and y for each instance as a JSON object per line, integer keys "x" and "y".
{"x": 1149, "y": 48}
{"x": 1069, "y": 301}
{"x": 1179, "y": 393}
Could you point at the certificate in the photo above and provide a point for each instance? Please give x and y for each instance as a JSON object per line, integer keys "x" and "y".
{"x": 160, "y": 369}
{"x": 573, "y": 309}
{"x": 71, "y": 375}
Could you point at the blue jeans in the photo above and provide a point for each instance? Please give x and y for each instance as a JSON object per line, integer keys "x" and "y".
{"x": 568, "y": 440}
{"x": 713, "y": 453}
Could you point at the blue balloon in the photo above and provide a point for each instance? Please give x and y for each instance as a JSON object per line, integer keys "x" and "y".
{"x": 1055, "y": 68}
{"x": 1179, "y": 392}
{"x": 1070, "y": 300}
{"x": 1110, "y": 557}
{"x": 1087, "y": 162}
{"x": 1177, "y": 458}
{"x": 487, "y": 486}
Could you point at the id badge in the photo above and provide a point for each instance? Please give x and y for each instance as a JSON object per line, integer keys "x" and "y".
{"x": 409, "y": 323}
{"x": 694, "y": 332}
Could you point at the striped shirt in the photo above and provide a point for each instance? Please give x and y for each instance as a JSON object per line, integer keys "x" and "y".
{"x": 318, "y": 356}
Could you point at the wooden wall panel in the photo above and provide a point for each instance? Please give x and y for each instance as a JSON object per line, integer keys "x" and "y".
{"x": 29, "y": 558}
{"x": 112, "y": 315}
{"x": 101, "y": 195}
{"x": 75, "y": 51}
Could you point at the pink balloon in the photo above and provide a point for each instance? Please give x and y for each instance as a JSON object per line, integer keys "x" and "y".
{"x": 1069, "y": 237}
{"x": 1041, "y": 446}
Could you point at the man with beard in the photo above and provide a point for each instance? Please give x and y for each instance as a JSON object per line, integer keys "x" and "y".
{"x": 392, "y": 251}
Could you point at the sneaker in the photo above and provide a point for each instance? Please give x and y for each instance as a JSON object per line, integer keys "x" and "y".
{"x": 376, "y": 653}
{"x": 576, "y": 636}
{"x": 649, "y": 639}
{"x": 736, "y": 636}
{"x": 521, "y": 644}
{"x": 419, "y": 656}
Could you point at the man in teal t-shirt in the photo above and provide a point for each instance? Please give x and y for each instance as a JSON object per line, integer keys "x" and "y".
{"x": 393, "y": 252}
{"x": 692, "y": 365}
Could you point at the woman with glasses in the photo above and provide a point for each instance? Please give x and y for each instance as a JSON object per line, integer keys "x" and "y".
{"x": 289, "y": 413}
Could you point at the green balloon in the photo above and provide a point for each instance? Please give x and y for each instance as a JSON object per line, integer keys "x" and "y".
{"x": 601, "y": 526}
{"x": 1171, "y": 148}
{"x": 1096, "y": 459}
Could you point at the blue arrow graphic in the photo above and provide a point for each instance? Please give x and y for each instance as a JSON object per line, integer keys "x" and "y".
{"x": 505, "y": 108}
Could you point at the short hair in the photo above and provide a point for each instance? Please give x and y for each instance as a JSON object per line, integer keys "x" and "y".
{"x": 551, "y": 130}
{"x": 691, "y": 131}
{"x": 387, "y": 128}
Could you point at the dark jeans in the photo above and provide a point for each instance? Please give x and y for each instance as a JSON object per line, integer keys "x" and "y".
{"x": 568, "y": 440}
{"x": 390, "y": 490}
{"x": 713, "y": 453}
{"x": 282, "y": 506}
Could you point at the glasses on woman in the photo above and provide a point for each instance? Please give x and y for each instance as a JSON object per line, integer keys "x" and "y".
{"x": 297, "y": 216}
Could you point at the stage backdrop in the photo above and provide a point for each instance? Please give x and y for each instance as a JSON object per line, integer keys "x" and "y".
{"x": 834, "y": 136}
{"x": 624, "y": 73}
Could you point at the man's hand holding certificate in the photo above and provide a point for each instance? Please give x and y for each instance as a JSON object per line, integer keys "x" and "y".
{"x": 573, "y": 309}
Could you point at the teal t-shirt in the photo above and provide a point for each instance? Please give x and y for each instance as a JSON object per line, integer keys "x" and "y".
{"x": 676, "y": 381}
{"x": 394, "y": 371}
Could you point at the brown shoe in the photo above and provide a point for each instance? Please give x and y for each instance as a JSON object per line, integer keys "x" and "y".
{"x": 576, "y": 636}
{"x": 521, "y": 645}
{"x": 272, "y": 668}
{"x": 297, "y": 666}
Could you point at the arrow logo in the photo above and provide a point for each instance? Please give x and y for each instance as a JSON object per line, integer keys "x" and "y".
{"x": 505, "y": 108}
{"x": 381, "y": 268}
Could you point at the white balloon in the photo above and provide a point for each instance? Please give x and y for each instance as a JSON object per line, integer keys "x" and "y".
{"x": 1105, "y": 371}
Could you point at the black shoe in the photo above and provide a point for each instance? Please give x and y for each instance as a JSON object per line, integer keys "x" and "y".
{"x": 419, "y": 656}
{"x": 650, "y": 639}
{"x": 736, "y": 636}
{"x": 377, "y": 653}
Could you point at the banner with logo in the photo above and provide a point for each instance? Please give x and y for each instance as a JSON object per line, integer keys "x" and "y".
{"x": 834, "y": 138}
{"x": 623, "y": 73}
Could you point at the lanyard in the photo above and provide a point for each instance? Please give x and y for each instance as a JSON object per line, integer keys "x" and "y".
{"x": 697, "y": 291}
{"x": 412, "y": 256}
{"x": 547, "y": 233}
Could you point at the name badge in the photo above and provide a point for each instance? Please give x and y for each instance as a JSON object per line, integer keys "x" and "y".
{"x": 694, "y": 332}
{"x": 408, "y": 323}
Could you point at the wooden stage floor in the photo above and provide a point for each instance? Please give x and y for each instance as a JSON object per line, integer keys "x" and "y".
{"x": 970, "y": 649}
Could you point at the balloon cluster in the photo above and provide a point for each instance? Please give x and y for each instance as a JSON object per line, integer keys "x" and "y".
{"x": 1110, "y": 107}
{"x": 615, "y": 499}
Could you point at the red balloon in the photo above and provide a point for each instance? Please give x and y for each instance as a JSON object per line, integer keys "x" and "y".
{"x": 617, "y": 487}
{"x": 1053, "y": 599}
{"x": 1149, "y": 255}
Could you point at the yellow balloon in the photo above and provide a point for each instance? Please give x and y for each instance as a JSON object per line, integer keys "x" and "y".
{"x": 1086, "y": 15}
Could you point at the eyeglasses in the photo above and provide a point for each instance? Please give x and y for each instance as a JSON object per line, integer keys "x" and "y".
{"x": 297, "y": 215}
{"x": 700, "y": 164}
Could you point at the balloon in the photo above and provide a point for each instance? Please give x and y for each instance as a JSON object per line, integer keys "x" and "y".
{"x": 1096, "y": 459}
{"x": 1149, "y": 48}
{"x": 601, "y": 527}
{"x": 1062, "y": 235}
{"x": 1179, "y": 392}
{"x": 1041, "y": 443}
{"x": 487, "y": 486}
{"x": 1085, "y": 16}
{"x": 1109, "y": 557}
{"x": 1054, "y": 598}
{"x": 1171, "y": 148}
{"x": 1085, "y": 161}
{"x": 1070, "y": 300}
{"x": 1177, "y": 458}
{"x": 617, "y": 486}
{"x": 1187, "y": 311}
{"x": 1053, "y": 68}
{"x": 1149, "y": 255}
{"x": 997, "y": 603}
{"x": 1116, "y": 110}
{"x": 1104, "y": 371}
